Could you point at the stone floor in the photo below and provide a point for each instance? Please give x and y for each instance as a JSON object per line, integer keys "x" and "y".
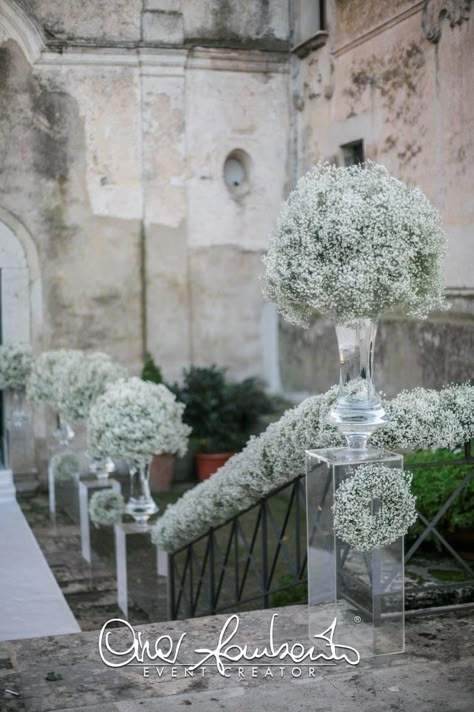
{"x": 436, "y": 674}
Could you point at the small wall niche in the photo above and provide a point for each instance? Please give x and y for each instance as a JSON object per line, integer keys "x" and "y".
{"x": 236, "y": 172}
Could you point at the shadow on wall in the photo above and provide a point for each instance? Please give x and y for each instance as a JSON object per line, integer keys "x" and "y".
{"x": 408, "y": 353}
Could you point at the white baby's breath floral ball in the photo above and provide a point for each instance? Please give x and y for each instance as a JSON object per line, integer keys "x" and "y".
{"x": 361, "y": 525}
{"x": 16, "y": 361}
{"x": 45, "y": 381}
{"x": 135, "y": 420}
{"x": 83, "y": 381}
{"x": 65, "y": 466}
{"x": 352, "y": 243}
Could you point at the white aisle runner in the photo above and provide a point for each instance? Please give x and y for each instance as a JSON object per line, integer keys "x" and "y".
{"x": 31, "y": 602}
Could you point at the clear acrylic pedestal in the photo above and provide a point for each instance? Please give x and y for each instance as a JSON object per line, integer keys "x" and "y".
{"x": 64, "y": 493}
{"x": 87, "y": 487}
{"x": 364, "y": 591}
{"x": 142, "y": 572}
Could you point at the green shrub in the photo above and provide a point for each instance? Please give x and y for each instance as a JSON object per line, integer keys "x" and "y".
{"x": 433, "y": 487}
{"x": 223, "y": 414}
{"x": 298, "y": 593}
{"x": 151, "y": 372}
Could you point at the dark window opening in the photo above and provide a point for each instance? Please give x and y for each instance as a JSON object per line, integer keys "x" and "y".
{"x": 353, "y": 153}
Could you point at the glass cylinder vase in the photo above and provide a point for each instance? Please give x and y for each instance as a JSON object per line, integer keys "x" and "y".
{"x": 64, "y": 434}
{"x": 141, "y": 506}
{"x": 358, "y": 410}
{"x": 18, "y": 415}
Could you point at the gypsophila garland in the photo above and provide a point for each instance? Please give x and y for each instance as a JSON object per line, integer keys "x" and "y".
{"x": 106, "y": 507}
{"x": 81, "y": 383}
{"x": 361, "y": 524}
{"x": 64, "y": 466}
{"x": 278, "y": 455}
{"x": 352, "y": 243}
{"x": 16, "y": 361}
{"x": 44, "y": 383}
{"x": 425, "y": 419}
{"x": 135, "y": 420}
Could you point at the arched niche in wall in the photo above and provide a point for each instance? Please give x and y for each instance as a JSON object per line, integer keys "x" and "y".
{"x": 20, "y": 283}
{"x": 20, "y": 322}
{"x": 15, "y": 24}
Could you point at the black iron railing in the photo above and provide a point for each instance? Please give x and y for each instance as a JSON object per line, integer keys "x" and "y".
{"x": 257, "y": 559}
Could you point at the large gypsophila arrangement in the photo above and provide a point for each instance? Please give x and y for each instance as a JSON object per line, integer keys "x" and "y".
{"x": 83, "y": 381}
{"x": 45, "y": 380}
{"x": 135, "y": 420}
{"x": 278, "y": 455}
{"x": 16, "y": 361}
{"x": 354, "y": 242}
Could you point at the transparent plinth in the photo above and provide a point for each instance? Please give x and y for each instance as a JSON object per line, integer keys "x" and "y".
{"x": 142, "y": 572}
{"x": 364, "y": 591}
{"x": 64, "y": 488}
{"x": 87, "y": 487}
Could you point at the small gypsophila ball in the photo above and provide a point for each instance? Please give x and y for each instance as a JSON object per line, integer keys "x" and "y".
{"x": 65, "y": 466}
{"x": 106, "y": 507}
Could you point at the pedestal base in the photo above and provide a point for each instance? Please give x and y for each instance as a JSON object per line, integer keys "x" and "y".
{"x": 142, "y": 572}
{"x": 364, "y": 591}
{"x": 87, "y": 487}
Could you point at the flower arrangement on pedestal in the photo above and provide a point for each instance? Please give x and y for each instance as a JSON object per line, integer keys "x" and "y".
{"x": 44, "y": 382}
{"x": 351, "y": 244}
{"x": 82, "y": 381}
{"x": 16, "y": 361}
{"x": 135, "y": 420}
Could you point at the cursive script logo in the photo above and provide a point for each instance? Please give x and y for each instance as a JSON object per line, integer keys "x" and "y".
{"x": 138, "y": 650}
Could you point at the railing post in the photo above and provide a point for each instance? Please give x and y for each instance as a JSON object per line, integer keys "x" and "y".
{"x": 212, "y": 577}
{"x": 170, "y": 589}
{"x": 263, "y": 510}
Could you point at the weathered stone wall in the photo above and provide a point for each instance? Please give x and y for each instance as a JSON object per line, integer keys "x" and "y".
{"x": 115, "y": 125}
{"x": 411, "y": 101}
{"x": 115, "y": 128}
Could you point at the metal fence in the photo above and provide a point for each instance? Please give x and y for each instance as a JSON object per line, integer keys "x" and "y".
{"x": 257, "y": 559}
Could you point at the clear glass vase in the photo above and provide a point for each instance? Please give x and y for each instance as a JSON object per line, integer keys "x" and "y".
{"x": 64, "y": 434}
{"x": 358, "y": 410}
{"x": 101, "y": 467}
{"x": 140, "y": 505}
{"x": 18, "y": 416}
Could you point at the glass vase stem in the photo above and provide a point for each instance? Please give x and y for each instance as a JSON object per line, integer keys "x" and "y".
{"x": 358, "y": 410}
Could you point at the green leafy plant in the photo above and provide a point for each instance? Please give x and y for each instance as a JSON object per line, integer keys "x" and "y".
{"x": 292, "y": 592}
{"x": 151, "y": 372}
{"x": 223, "y": 414}
{"x": 432, "y": 488}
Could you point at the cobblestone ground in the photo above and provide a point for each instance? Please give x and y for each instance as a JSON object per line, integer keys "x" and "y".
{"x": 91, "y": 592}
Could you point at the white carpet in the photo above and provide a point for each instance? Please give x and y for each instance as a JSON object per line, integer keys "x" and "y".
{"x": 31, "y": 602}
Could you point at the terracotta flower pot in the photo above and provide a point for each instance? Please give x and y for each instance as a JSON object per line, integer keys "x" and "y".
{"x": 207, "y": 464}
{"x": 161, "y": 472}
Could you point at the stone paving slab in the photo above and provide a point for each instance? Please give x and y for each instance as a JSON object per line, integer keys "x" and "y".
{"x": 435, "y": 675}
